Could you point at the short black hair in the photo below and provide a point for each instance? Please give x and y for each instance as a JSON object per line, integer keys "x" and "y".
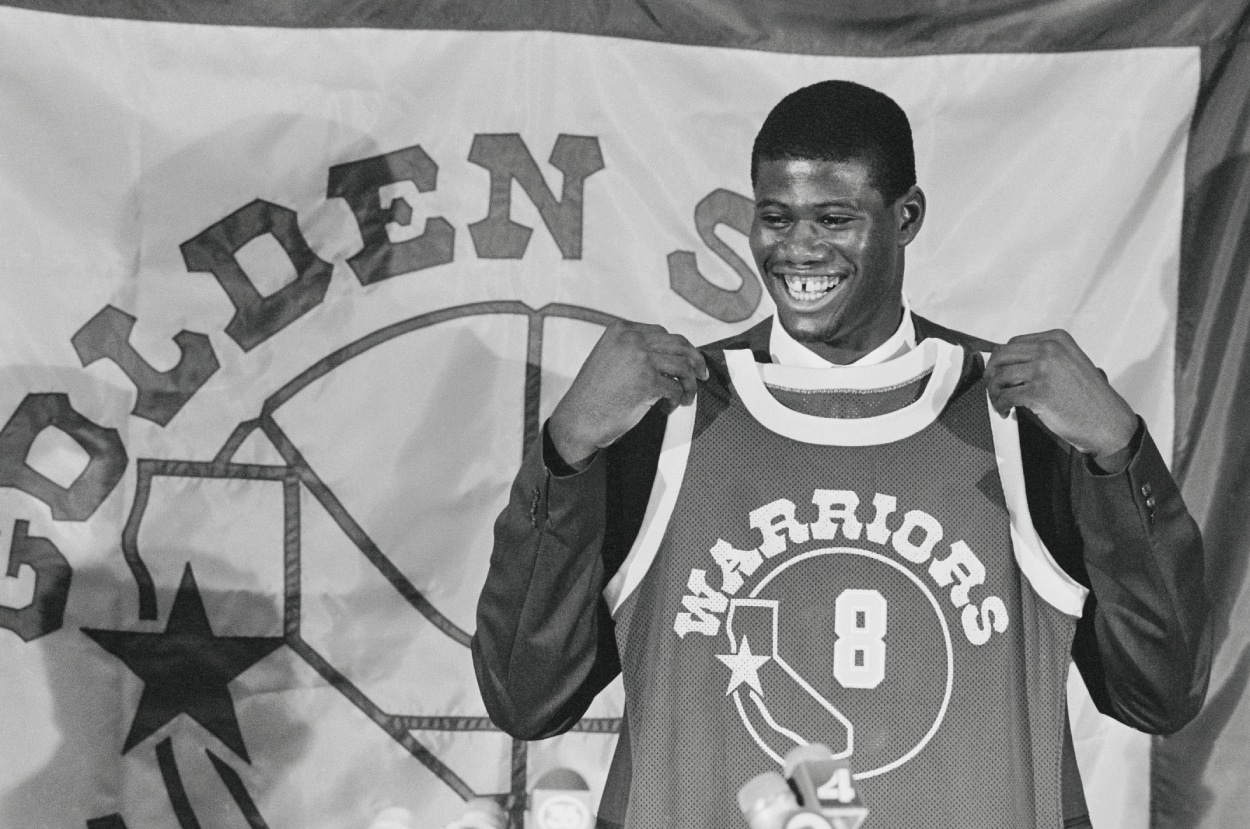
{"x": 839, "y": 121}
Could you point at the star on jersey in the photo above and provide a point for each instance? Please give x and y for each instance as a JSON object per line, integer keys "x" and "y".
{"x": 186, "y": 669}
{"x": 745, "y": 667}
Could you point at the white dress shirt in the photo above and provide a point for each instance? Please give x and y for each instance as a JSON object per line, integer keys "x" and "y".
{"x": 787, "y": 351}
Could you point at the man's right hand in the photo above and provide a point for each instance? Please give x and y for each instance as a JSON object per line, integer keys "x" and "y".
{"x": 631, "y": 368}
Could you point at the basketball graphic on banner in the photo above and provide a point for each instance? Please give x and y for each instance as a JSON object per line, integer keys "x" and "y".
{"x": 377, "y": 428}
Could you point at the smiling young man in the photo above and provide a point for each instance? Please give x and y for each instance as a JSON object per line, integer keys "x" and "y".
{"x": 834, "y": 528}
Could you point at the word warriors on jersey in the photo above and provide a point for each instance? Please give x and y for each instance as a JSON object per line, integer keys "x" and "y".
{"x": 841, "y": 513}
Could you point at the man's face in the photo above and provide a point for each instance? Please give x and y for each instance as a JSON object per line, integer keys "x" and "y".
{"x": 830, "y": 252}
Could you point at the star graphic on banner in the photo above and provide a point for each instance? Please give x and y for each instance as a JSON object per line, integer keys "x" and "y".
{"x": 745, "y": 667}
{"x": 186, "y": 669}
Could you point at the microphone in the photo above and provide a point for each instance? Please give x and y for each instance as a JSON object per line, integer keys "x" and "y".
{"x": 561, "y": 800}
{"x": 767, "y": 802}
{"x": 480, "y": 813}
{"x": 824, "y": 782}
{"x": 818, "y": 794}
{"x": 394, "y": 817}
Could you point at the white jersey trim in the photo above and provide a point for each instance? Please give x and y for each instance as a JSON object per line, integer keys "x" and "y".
{"x": 943, "y": 360}
{"x": 674, "y": 453}
{"x": 1043, "y": 573}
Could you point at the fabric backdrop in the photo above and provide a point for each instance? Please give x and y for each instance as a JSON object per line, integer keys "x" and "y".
{"x": 288, "y": 286}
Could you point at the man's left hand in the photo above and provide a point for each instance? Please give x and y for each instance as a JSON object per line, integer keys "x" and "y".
{"x": 1050, "y": 375}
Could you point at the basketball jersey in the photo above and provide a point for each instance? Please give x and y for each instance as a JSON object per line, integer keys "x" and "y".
{"x": 870, "y": 583}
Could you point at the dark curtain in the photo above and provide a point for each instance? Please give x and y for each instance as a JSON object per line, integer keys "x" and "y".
{"x": 1198, "y": 776}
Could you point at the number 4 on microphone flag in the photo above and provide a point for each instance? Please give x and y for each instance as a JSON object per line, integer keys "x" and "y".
{"x": 839, "y": 799}
{"x": 825, "y": 782}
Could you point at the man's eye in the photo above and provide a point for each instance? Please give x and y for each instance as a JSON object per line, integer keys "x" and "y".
{"x": 773, "y": 219}
{"x": 835, "y": 220}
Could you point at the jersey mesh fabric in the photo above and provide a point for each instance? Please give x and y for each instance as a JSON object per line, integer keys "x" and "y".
{"x": 952, "y": 733}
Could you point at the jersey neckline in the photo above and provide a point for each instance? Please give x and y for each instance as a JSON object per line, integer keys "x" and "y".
{"x": 943, "y": 361}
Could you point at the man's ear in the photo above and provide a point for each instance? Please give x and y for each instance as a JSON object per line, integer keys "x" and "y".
{"x": 910, "y": 209}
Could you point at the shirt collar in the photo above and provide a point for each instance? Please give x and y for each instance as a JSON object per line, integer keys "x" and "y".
{"x": 787, "y": 351}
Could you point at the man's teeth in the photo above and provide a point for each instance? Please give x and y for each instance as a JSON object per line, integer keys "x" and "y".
{"x": 808, "y": 288}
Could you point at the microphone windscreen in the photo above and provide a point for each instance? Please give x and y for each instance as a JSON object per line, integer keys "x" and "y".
{"x": 395, "y": 817}
{"x": 817, "y": 758}
{"x": 765, "y": 800}
{"x": 480, "y": 813}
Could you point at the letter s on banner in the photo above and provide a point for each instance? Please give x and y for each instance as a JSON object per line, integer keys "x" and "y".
{"x": 720, "y": 207}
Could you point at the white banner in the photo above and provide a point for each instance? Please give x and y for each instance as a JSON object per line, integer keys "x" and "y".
{"x": 280, "y": 307}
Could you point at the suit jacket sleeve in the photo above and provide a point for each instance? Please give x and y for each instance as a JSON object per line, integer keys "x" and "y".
{"x": 544, "y": 643}
{"x": 1143, "y": 644}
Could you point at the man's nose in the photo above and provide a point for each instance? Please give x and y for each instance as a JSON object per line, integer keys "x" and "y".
{"x": 805, "y": 241}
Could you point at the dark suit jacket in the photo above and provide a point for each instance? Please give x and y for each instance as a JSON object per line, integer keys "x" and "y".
{"x": 544, "y": 644}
